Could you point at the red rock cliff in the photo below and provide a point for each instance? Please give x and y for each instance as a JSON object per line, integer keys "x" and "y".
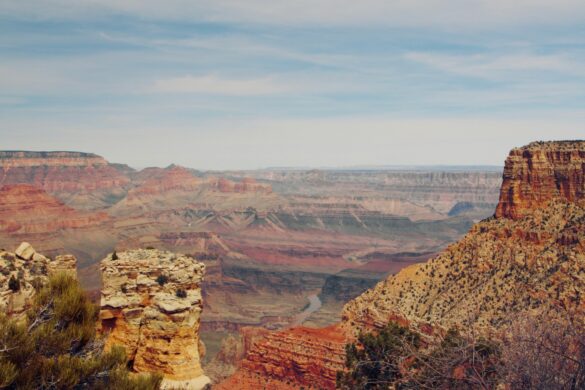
{"x": 539, "y": 172}
{"x": 292, "y": 358}
{"x": 81, "y": 179}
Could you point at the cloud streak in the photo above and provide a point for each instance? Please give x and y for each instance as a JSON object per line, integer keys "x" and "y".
{"x": 214, "y": 85}
{"x": 472, "y": 14}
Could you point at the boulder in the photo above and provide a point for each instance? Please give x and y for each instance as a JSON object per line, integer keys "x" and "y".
{"x": 25, "y": 251}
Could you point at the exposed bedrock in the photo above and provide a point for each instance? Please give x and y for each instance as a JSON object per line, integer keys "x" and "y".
{"x": 151, "y": 305}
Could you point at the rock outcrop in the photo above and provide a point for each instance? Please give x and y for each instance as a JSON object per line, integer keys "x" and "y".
{"x": 25, "y": 270}
{"x": 540, "y": 172}
{"x": 151, "y": 305}
{"x": 292, "y": 358}
{"x": 529, "y": 256}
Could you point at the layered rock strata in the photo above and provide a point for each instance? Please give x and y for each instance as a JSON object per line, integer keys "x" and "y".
{"x": 530, "y": 256}
{"x": 84, "y": 180}
{"x": 29, "y": 210}
{"x": 25, "y": 270}
{"x": 540, "y": 172}
{"x": 305, "y": 357}
{"x": 151, "y": 305}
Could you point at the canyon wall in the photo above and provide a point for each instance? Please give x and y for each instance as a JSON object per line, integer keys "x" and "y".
{"x": 540, "y": 172}
{"x": 529, "y": 256}
{"x": 82, "y": 180}
{"x": 289, "y": 359}
{"x": 151, "y": 305}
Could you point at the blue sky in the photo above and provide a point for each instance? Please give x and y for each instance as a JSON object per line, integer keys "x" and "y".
{"x": 230, "y": 84}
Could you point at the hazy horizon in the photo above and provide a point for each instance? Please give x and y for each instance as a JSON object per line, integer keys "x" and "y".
{"x": 229, "y": 85}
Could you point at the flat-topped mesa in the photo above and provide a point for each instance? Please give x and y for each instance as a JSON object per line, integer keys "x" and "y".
{"x": 22, "y": 271}
{"x": 151, "y": 305}
{"x": 10, "y": 159}
{"x": 540, "y": 172}
{"x": 81, "y": 180}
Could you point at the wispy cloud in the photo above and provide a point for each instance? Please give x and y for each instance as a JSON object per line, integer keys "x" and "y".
{"x": 215, "y": 85}
{"x": 496, "y": 65}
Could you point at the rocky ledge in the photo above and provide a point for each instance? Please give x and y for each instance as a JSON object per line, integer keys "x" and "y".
{"x": 297, "y": 357}
{"x": 25, "y": 270}
{"x": 151, "y": 305}
{"x": 540, "y": 172}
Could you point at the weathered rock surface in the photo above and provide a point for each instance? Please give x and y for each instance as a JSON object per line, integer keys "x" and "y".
{"x": 29, "y": 213}
{"x": 291, "y": 358}
{"x": 27, "y": 269}
{"x": 83, "y": 180}
{"x": 29, "y": 210}
{"x": 151, "y": 304}
{"x": 540, "y": 172}
{"x": 531, "y": 255}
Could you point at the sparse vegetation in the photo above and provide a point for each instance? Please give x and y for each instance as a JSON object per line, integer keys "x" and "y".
{"x": 57, "y": 348}
{"x": 181, "y": 293}
{"x": 114, "y": 256}
{"x": 14, "y": 284}
{"x": 162, "y": 279}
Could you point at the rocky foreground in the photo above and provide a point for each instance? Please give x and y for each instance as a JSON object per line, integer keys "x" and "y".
{"x": 151, "y": 304}
{"x": 22, "y": 272}
{"x": 527, "y": 259}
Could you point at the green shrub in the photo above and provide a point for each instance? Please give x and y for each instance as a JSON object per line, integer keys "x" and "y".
{"x": 114, "y": 256}
{"x": 181, "y": 293}
{"x": 14, "y": 284}
{"x": 162, "y": 279}
{"x": 57, "y": 348}
{"x": 373, "y": 363}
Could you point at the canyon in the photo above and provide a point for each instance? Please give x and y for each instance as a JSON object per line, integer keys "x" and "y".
{"x": 269, "y": 238}
{"x": 528, "y": 259}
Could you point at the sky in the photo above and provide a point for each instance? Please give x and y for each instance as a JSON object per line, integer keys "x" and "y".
{"x": 245, "y": 84}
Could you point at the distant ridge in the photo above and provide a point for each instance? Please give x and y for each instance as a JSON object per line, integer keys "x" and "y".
{"x": 432, "y": 168}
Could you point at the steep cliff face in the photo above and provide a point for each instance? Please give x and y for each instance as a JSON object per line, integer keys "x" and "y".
{"x": 151, "y": 304}
{"x": 82, "y": 180}
{"x": 531, "y": 255}
{"x": 24, "y": 269}
{"x": 297, "y": 357}
{"x": 540, "y": 172}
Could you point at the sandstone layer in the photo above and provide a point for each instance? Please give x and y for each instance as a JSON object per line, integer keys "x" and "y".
{"x": 292, "y": 358}
{"x": 540, "y": 172}
{"x": 83, "y": 180}
{"x": 25, "y": 270}
{"x": 151, "y": 305}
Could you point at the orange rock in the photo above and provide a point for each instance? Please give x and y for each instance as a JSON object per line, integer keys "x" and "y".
{"x": 151, "y": 305}
{"x": 540, "y": 172}
{"x": 300, "y": 356}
